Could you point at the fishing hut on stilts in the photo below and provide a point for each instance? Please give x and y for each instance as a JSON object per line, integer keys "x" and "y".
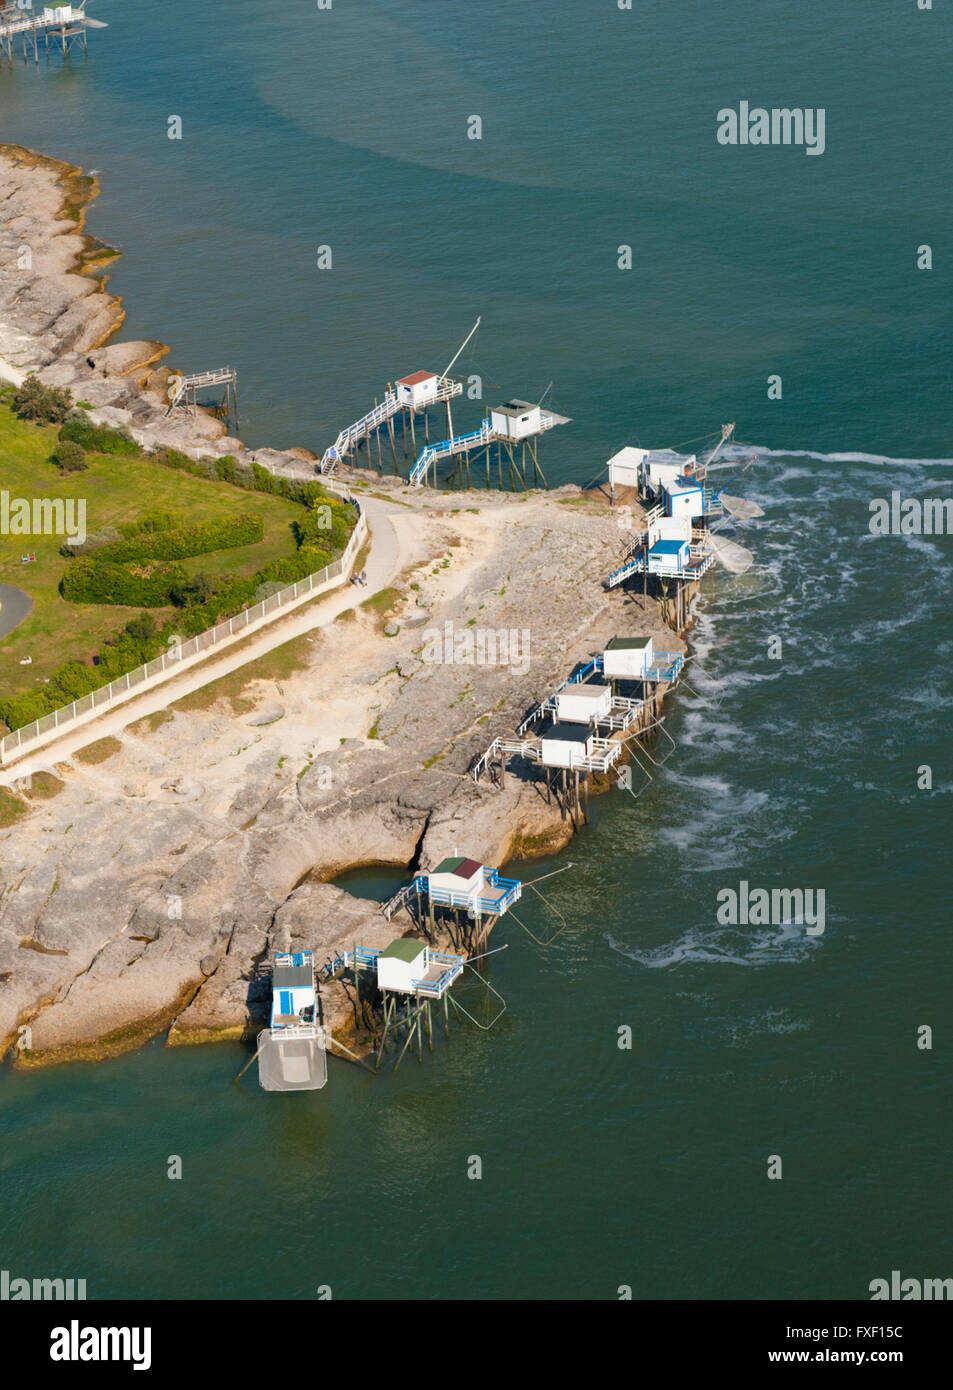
{"x": 183, "y": 394}
{"x": 407, "y": 402}
{"x": 674, "y": 548}
{"x": 460, "y": 897}
{"x": 583, "y": 727}
{"x": 506, "y": 440}
{"x": 66, "y": 25}
{"x": 291, "y": 1050}
{"x": 508, "y": 435}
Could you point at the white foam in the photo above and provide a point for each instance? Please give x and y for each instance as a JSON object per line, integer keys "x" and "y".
{"x": 779, "y": 945}
{"x": 879, "y": 460}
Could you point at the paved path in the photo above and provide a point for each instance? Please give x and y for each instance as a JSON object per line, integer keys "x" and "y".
{"x": 15, "y": 605}
{"x": 381, "y": 567}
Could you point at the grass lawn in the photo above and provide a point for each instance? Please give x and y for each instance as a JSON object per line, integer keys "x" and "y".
{"x": 278, "y": 664}
{"x": 116, "y": 489}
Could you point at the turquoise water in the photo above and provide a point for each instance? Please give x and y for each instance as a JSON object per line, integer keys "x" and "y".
{"x": 600, "y": 1167}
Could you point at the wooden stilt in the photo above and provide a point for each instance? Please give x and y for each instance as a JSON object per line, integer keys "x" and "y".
{"x": 536, "y": 464}
{"x": 248, "y": 1063}
{"x": 389, "y": 1010}
{"x": 408, "y": 1039}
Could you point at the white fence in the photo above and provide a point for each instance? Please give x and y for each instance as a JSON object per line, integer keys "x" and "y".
{"x": 185, "y": 654}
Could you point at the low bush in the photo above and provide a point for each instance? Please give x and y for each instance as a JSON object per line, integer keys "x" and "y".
{"x": 151, "y": 522}
{"x": 140, "y": 586}
{"x": 69, "y": 457}
{"x": 201, "y": 538}
{"x": 46, "y": 404}
{"x": 97, "y": 439}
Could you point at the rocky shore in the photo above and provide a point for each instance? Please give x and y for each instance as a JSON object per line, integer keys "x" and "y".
{"x": 150, "y": 890}
{"x": 57, "y": 317}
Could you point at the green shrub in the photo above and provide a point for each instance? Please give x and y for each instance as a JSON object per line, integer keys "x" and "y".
{"x": 325, "y": 526}
{"x": 143, "y": 628}
{"x": 257, "y": 479}
{"x": 221, "y": 533}
{"x": 149, "y": 521}
{"x": 198, "y": 589}
{"x": 95, "y": 581}
{"x": 47, "y": 404}
{"x": 69, "y": 457}
{"x": 98, "y": 439}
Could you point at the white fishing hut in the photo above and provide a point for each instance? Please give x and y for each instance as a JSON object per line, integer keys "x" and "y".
{"x": 662, "y": 466}
{"x": 516, "y": 420}
{"x": 457, "y": 876}
{"x": 583, "y": 703}
{"x": 417, "y": 390}
{"x": 669, "y": 558}
{"x": 291, "y": 1051}
{"x": 684, "y": 498}
{"x": 293, "y": 994}
{"x": 401, "y": 964}
{"x": 628, "y": 658}
{"x": 566, "y": 745}
{"x": 625, "y": 467}
{"x": 670, "y": 528}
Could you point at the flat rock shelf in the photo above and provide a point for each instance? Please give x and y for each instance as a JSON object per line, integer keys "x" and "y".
{"x": 138, "y": 899}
